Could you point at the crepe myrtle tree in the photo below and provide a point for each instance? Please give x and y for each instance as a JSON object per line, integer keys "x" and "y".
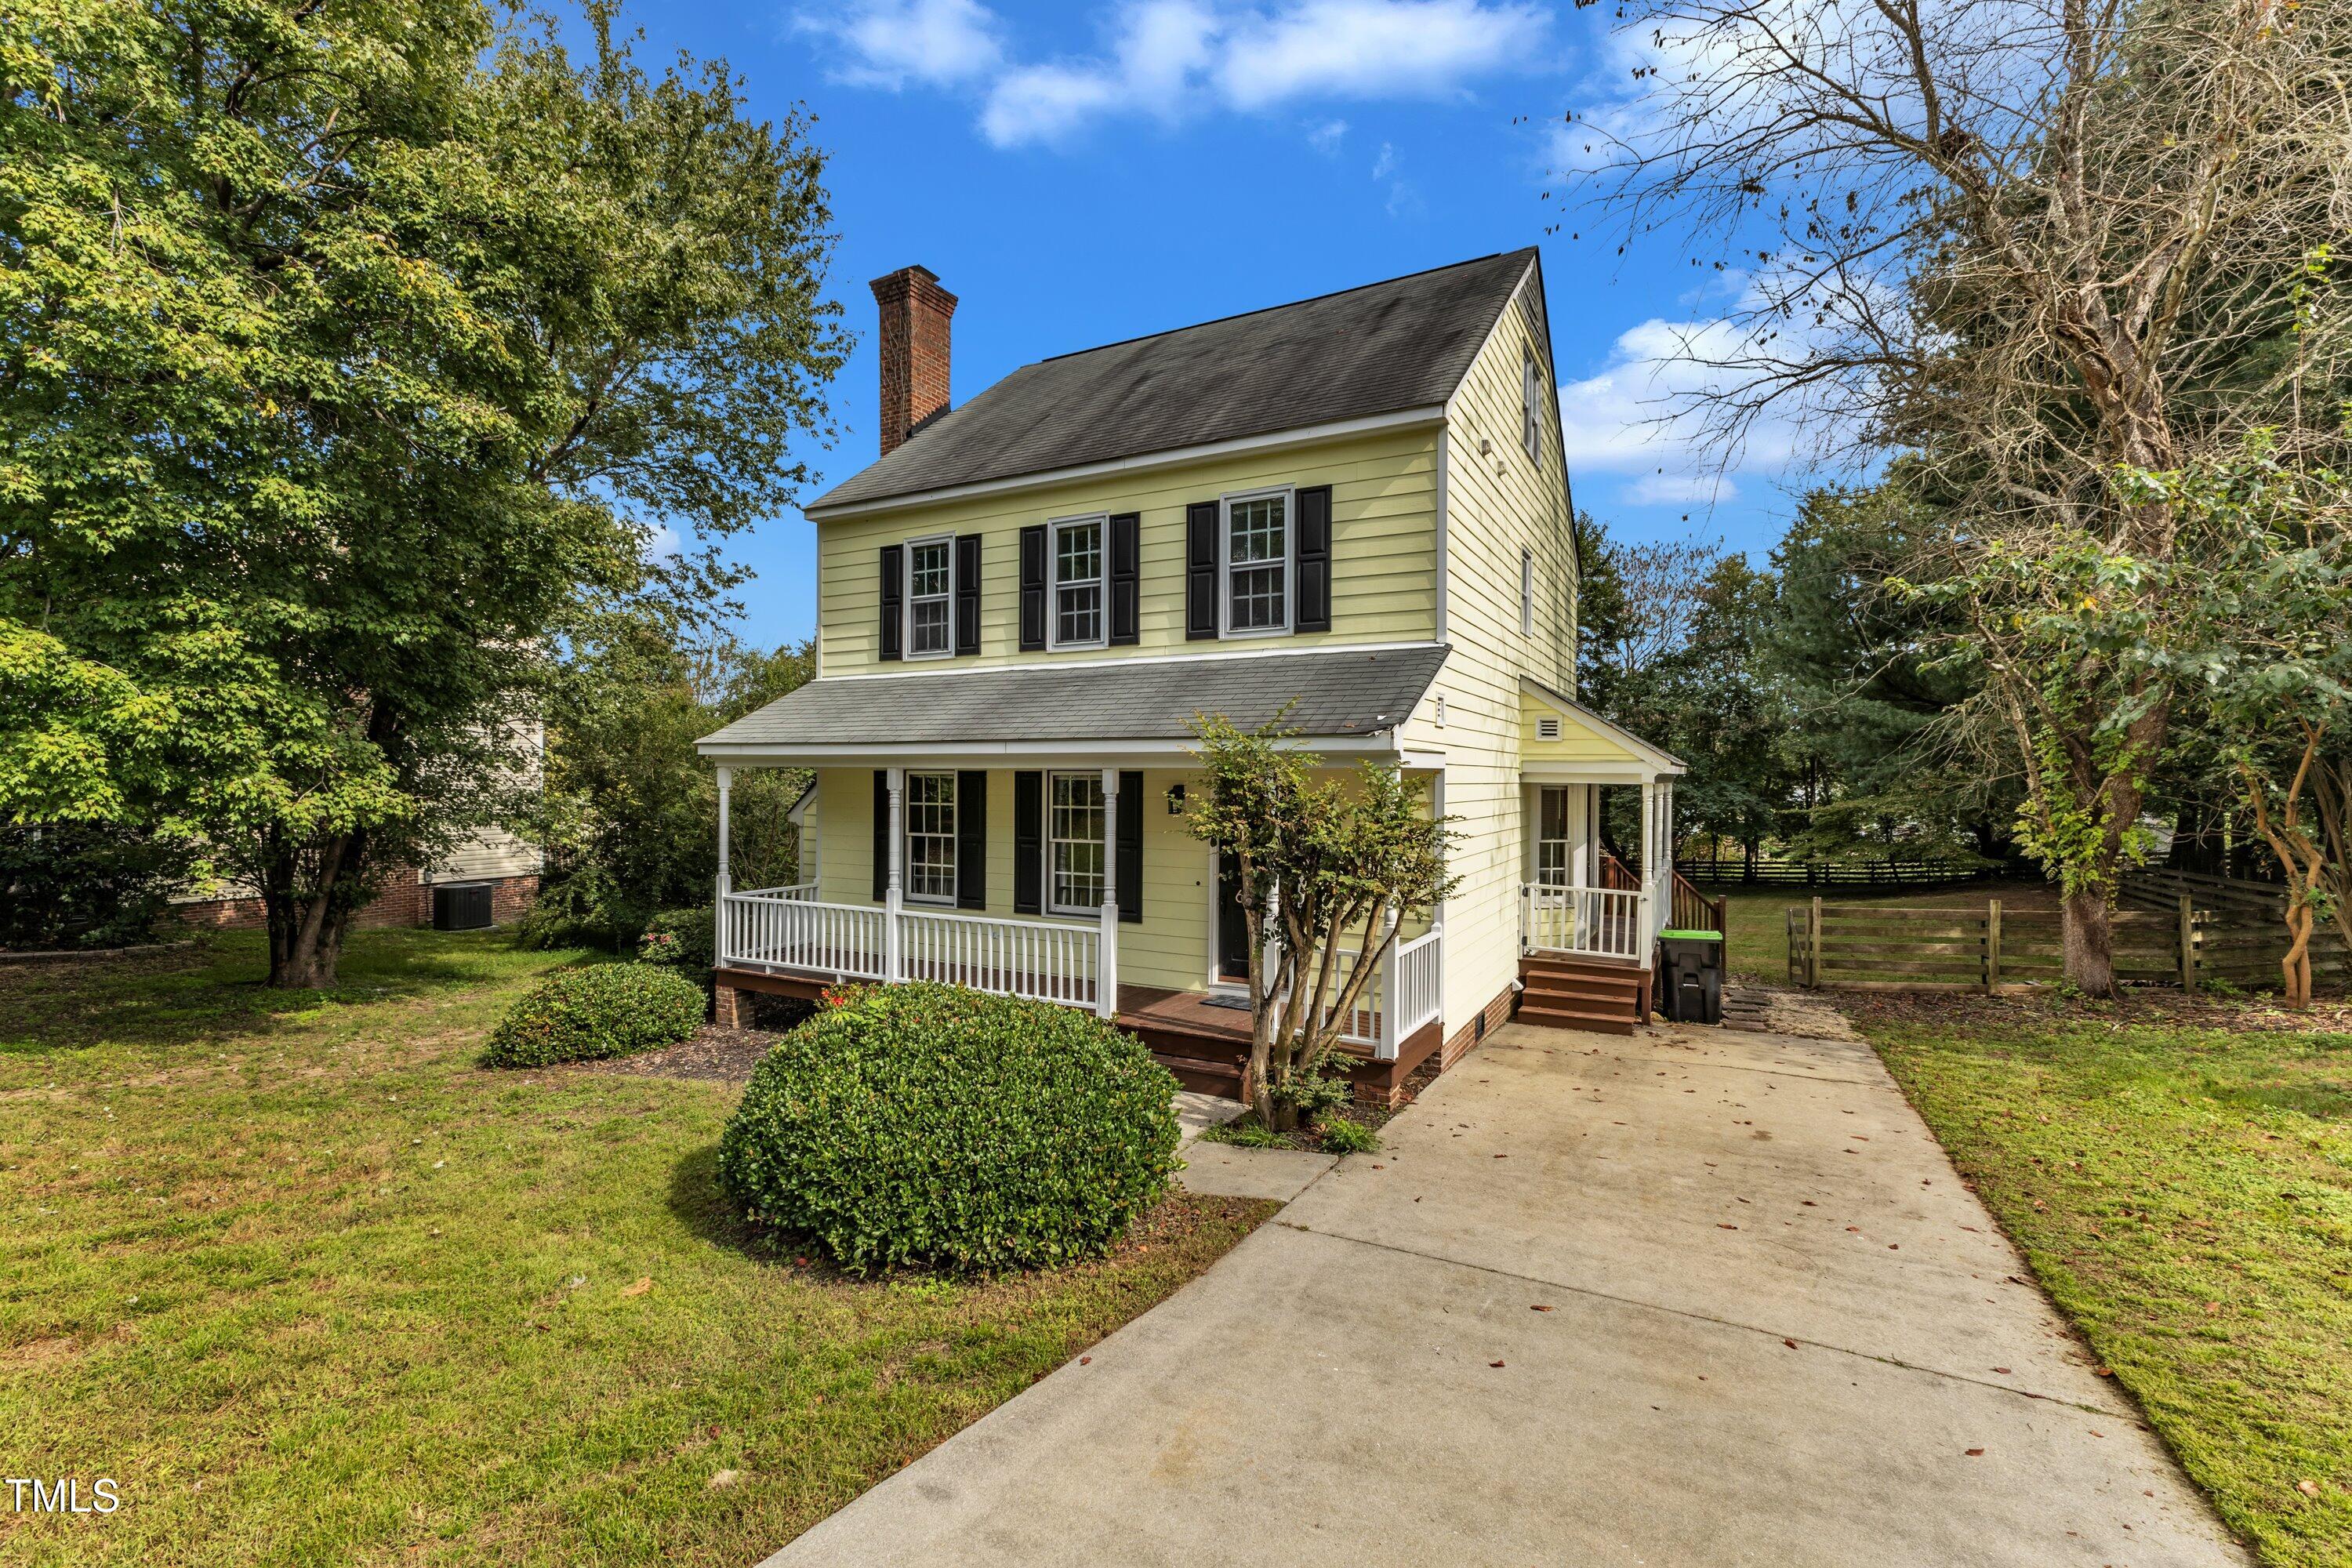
{"x": 1328, "y": 868}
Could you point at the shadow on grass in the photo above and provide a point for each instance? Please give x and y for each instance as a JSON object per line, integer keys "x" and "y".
{"x": 218, "y": 991}
{"x": 702, "y": 1206}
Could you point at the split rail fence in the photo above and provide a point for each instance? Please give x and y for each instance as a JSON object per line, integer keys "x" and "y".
{"x": 1870, "y": 947}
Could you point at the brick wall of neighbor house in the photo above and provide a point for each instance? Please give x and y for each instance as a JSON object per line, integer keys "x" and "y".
{"x": 407, "y": 902}
{"x": 916, "y": 315}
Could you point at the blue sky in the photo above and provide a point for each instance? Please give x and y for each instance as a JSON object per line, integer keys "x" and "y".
{"x": 1080, "y": 175}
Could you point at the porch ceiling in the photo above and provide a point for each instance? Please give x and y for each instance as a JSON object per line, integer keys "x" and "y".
{"x": 1341, "y": 699}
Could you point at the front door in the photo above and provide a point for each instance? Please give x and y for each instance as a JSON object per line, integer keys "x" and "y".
{"x": 1232, "y": 924}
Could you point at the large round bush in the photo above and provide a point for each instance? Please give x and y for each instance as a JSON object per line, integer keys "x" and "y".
{"x": 933, "y": 1126}
{"x": 587, "y": 1014}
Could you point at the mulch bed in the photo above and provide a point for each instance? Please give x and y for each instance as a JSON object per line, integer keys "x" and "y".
{"x": 2252, "y": 1015}
{"x": 713, "y": 1056}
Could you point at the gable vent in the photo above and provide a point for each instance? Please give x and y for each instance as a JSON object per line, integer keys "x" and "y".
{"x": 1547, "y": 729}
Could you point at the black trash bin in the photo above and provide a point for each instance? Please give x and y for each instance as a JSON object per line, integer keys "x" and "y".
{"x": 1690, "y": 975}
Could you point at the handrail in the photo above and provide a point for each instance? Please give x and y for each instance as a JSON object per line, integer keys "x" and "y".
{"x": 1608, "y": 922}
{"x": 1693, "y": 910}
{"x": 785, "y": 929}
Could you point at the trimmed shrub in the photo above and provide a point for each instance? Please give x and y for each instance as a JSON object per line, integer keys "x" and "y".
{"x": 1345, "y": 1135}
{"x": 683, "y": 940}
{"x": 589, "y": 1014}
{"x": 926, "y": 1125}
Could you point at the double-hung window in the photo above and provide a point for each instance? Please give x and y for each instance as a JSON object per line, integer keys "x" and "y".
{"x": 1075, "y": 843}
{"x": 1256, "y": 548}
{"x": 930, "y": 598}
{"x": 1526, "y": 592}
{"x": 931, "y": 807}
{"x": 1079, "y": 557}
{"x": 1530, "y": 399}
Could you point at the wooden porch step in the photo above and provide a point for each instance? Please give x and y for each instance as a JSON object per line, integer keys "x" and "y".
{"x": 1203, "y": 1075}
{"x": 1606, "y": 1021}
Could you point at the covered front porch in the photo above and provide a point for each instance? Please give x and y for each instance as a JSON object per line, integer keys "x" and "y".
{"x": 1070, "y": 883}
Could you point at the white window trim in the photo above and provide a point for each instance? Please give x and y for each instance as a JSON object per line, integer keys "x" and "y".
{"x": 1054, "y": 582}
{"x": 1527, "y": 592}
{"x": 1531, "y": 392}
{"x": 907, "y": 835}
{"x": 1109, "y": 834}
{"x": 907, "y": 631}
{"x": 1289, "y": 494}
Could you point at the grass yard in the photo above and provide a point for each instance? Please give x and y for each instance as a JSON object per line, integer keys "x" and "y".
{"x": 2182, "y": 1184}
{"x": 312, "y": 1288}
{"x": 1757, "y": 946}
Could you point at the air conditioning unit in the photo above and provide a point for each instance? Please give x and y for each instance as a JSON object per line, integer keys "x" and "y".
{"x": 461, "y": 906}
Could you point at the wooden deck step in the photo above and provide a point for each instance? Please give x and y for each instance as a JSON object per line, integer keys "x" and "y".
{"x": 1561, "y": 990}
{"x": 1203, "y": 1075}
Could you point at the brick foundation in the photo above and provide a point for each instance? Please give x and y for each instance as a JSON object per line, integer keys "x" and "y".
{"x": 406, "y": 902}
{"x": 1496, "y": 1014}
{"x": 729, "y": 1007}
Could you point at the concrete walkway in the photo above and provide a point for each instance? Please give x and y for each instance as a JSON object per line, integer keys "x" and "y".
{"x": 1686, "y": 1299}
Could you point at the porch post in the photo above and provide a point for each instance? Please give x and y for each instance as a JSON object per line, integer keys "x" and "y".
{"x": 894, "y": 939}
{"x": 1647, "y": 930}
{"x": 1106, "y": 974}
{"x": 718, "y": 914}
{"x": 1391, "y": 1037}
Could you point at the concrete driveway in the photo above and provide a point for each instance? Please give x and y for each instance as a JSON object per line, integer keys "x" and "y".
{"x": 1691, "y": 1299}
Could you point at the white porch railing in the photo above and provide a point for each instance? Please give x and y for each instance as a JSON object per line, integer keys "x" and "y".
{"x": 1412, "y": 976}
{"x": 1606, "y": 922}
{"x": 787, "y": 928}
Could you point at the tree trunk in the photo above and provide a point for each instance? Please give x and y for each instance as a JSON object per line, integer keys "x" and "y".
{"x": 306, "y": 928}
{"x": 2089, "y": 937}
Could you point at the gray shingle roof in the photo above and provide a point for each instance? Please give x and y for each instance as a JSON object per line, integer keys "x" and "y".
{"x": 1380, "y": 349}
{"x": 1341, "y": 692}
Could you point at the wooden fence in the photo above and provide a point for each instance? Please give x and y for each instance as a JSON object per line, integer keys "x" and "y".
{"x": 1870, "y": 947}
{"x": 1832, "y": 873}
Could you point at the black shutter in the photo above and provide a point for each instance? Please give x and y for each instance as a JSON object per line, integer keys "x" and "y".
{"x": 1200, "y": 571}
{"x": 1126, "y": 579}
{"x": 1311, "y": 551}
{"x": 1130, "y": 859}
{"x": 1033, "y": 587}
{"x": 972, "y": 840}
{"x": 894, "y": 592}
{"x": 881, "y": 835}
{"x": 1028, "y": 844}
{"x": 967, "y": 593}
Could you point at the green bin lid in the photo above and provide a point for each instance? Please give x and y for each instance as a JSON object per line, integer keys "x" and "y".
{"x": 1690, "y": 936}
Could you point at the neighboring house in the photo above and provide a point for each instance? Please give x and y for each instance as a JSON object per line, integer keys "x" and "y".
{"x": 1355, "y": 505}
{"x": 489, "y": 878}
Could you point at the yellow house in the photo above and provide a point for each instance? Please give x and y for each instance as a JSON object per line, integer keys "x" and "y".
{"x": 1355, "y": 506}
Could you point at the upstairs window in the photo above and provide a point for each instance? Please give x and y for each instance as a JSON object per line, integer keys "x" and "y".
{"x": 1256, "y": 548}
{"x": 931, "y": 592}
{"x": 1526, "y": 592}
{"x": 931, "y": 807}
{"x": 1530, "y": 401}
{"x": 1079, "y": 583}
{"x": 1074, "y": 846}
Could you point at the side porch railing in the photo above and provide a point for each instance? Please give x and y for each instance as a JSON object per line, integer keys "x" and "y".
{"x": 1608, "y": 922}
{"x": 1408, "y": 991}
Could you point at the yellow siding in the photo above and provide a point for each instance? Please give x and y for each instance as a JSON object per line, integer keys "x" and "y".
{"x": 1578, "y": 743}
{"x": 1498, "y": 501}
{"x": 1170, "y": 947}
{"x": 1383, "y": 569}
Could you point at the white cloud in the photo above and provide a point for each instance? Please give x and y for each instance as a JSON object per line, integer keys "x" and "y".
{"x": 1169, "y": 59}
{"x": 1386, "y": 162}
{"x": 889, "y": 43}
{"x": 1677, "y": 490}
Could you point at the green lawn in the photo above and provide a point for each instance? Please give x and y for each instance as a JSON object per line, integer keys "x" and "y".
{"x": 313, "y": 1288}
{"x": 2185, "y": 1194}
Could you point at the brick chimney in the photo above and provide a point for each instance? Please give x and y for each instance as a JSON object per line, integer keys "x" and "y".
{"x": 914, "y": 315}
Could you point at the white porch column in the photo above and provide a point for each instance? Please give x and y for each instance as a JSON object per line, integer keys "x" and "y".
{"x": 1648, "y": 928}
{"x": 719, "y": 910}
{"x": 1106, "y": 974}
{"x": 1391, "y": 1036}
{"x": 1665, "y": 852}
{"x": 894, "y": 938}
